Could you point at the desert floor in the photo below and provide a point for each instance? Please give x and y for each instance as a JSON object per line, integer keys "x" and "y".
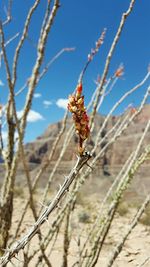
{"x": 136, "y": 251}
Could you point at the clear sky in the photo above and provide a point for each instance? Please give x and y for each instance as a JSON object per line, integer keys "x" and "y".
{"x": 78, "y": 24}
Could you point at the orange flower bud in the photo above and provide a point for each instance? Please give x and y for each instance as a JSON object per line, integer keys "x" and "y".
{"x": 133, "y": 110}
{"x": 79, "y": 88}
{"x": 119, "y": 72}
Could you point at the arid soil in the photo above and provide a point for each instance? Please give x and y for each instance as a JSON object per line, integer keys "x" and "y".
{"x": 136, "y": 249}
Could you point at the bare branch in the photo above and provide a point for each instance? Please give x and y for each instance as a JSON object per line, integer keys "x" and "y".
{"x": 119, "y": 247}
{"x": 40, "y": 76}
{"x": 22, "y": 39}
{"x": 43, "y": 217}
{"x": 134, "y": 165}
{"x": 34, "y": 77}
{"x": 8, "y": 13}
{"x": 109, "y": 56}
{"x": 7, "y": 43}
{"x": 132, "y": 90}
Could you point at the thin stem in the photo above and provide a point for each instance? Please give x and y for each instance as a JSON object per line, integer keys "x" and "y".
{"x": 109, "y": 57}
{"x": 20, "y": 244}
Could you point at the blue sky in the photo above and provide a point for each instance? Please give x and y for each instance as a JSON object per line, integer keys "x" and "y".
{"x": 77, "y": 24}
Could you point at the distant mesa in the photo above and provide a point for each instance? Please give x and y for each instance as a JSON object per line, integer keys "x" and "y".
{"x": 39, "y": 150}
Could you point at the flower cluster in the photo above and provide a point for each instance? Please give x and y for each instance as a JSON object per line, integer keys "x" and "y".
{"x": 119, "y": 72}
{"x": 133, "y": 110}
{"x": 80, "y": 117}
{"x": 97, "y": 46}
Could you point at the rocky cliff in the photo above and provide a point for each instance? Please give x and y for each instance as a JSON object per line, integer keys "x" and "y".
{"x": 38, "y": 151}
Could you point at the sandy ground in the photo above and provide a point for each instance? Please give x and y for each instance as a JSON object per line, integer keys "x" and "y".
{"x": 134, "y": 253}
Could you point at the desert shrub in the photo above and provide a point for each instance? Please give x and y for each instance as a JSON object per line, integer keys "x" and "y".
{"x": 84, "y": 217}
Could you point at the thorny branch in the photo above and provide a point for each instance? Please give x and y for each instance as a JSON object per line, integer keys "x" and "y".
{"x": 41, "y": 171}
{"x": 20, "y": 244}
